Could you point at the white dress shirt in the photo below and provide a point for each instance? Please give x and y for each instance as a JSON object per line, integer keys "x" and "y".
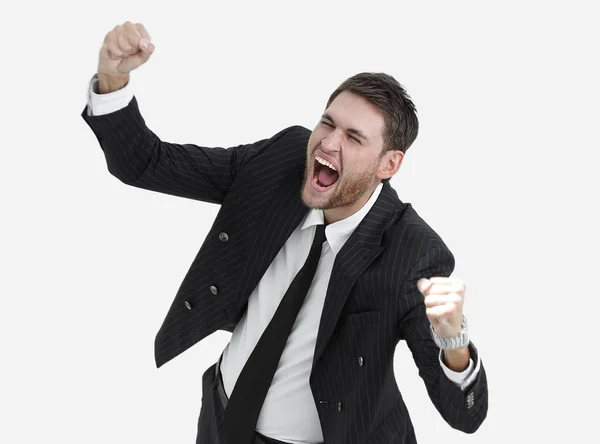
{"x": 290, "y": 389}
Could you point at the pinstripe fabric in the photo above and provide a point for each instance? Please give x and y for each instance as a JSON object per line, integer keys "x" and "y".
{"x": 372, "y": 301}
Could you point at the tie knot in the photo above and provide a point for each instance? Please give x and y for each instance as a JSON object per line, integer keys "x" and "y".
{"x": 319, "y": 235}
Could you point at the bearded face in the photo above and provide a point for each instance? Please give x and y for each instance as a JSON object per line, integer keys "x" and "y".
{"x": 344, "y": 154}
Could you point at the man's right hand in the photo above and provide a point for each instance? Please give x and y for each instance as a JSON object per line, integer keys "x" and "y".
{"x": 125, "y": 48}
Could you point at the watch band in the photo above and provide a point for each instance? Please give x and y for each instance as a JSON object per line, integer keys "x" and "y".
{"x": 459, "y": 341}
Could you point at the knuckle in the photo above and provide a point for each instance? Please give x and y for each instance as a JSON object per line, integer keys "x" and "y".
{"x": 124, "y": 44}
{"x": 131, "y": 28}
{"x": 116, "y": 32}
{"x": 144, "y": 32}
{"x": 111, "y": 47}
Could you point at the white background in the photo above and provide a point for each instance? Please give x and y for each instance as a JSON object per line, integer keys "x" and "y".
{"x": 504, "y": 169}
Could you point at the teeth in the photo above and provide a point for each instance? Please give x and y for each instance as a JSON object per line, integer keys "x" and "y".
{"x": 324, "y": 162}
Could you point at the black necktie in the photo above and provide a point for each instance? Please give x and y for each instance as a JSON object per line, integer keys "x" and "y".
{"x": 251, "y": 387}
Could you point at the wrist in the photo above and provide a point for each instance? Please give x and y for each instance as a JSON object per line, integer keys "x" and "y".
{"x": 457, "y": 359}
{"x": 455, "y": 342}
{"x": 110, "y": 83}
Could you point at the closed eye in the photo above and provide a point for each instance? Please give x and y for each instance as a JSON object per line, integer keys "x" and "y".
{"x": 329, "y": 125}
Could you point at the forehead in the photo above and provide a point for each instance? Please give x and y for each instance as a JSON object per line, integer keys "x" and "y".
{"x": 350, "y": 110}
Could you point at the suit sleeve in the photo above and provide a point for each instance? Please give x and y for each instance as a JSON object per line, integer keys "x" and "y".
{"x": 136, "y": 156}
{"x": 463, "y": 409}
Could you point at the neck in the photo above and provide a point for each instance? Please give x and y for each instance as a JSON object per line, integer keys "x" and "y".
{"x": 336, "y": 214}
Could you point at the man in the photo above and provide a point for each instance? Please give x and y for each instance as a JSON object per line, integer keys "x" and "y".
{"x": 313, "y": 263}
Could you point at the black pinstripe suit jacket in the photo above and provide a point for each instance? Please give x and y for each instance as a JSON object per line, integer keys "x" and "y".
{"x": 372, "y": 301}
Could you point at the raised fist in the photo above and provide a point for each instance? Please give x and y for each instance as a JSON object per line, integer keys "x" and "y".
{"x": 125, "y": 48}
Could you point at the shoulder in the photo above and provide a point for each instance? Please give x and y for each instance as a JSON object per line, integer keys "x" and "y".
{"x": 279, "y": 159}
{"x": 291, "y": 141}
{"x": 416, "y": 226}
{"x": 295, "y": 136}
{"x": 415, "y": 238}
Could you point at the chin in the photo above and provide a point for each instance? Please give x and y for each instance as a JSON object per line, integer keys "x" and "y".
{"x": 310, "y": 200}
{"x": 313, "y": 200}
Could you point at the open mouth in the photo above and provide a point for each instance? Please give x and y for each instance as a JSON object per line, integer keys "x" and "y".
{"x": 324, "y": 176}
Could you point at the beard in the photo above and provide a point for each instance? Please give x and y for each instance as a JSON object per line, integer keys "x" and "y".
{"x": 349, "y": 188}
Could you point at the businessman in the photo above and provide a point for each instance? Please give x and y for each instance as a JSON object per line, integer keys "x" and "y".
{"x": 313, "y": 263}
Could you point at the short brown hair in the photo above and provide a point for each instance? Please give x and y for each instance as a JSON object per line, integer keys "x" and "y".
{"x": 391, "y": 99}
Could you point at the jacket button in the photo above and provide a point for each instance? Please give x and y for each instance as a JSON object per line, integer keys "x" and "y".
{"x": 339, "y": 406}
{"x": 213, "y": 289}
{"x": 470, "y": 400}
{"x": 361, "y": 361}
{"x": 188, "y": 305}
{"x": 223, "y": 237}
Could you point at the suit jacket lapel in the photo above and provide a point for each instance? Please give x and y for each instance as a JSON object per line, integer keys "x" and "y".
{"x": 282, "y": 215}
{"x": 359, "y": 251}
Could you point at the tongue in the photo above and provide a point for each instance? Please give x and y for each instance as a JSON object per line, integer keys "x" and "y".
{"x": 327, "y": 176}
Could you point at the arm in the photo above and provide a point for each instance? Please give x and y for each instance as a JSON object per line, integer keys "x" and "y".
{"x": 136, "y": 155}
{"x": 463, "y": 408}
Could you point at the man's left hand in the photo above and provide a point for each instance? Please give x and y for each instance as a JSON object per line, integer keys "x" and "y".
{"x": 444, "y": 298}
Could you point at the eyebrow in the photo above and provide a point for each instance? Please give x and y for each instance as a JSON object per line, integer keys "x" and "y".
{"x": 350, "y": 130}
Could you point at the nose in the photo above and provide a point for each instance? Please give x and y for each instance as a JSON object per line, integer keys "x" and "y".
{"x": 333, "y": 141}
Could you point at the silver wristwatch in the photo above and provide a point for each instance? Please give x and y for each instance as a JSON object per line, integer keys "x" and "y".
{"x": 459, "y": 341}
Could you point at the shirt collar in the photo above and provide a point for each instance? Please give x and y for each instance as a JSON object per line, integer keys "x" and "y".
{"x": 339, "y": 232}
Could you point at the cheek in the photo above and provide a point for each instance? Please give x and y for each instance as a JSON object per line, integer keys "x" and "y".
{"x": 319, "y": 133}
{"x": 313, "y": 141}
{"x": 353, "y": 161}
{"x": 358, "y": 164}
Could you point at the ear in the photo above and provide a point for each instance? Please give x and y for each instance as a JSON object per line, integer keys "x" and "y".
{"x": 389, "y": 164}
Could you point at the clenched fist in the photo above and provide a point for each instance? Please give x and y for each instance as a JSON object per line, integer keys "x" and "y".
{"x": 125, "y": 48}
{"x": 444, "y": 299}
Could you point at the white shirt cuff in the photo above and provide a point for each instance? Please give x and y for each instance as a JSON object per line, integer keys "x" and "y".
{"x": 100, "y": 104}
{"x": 466, "y": 377}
